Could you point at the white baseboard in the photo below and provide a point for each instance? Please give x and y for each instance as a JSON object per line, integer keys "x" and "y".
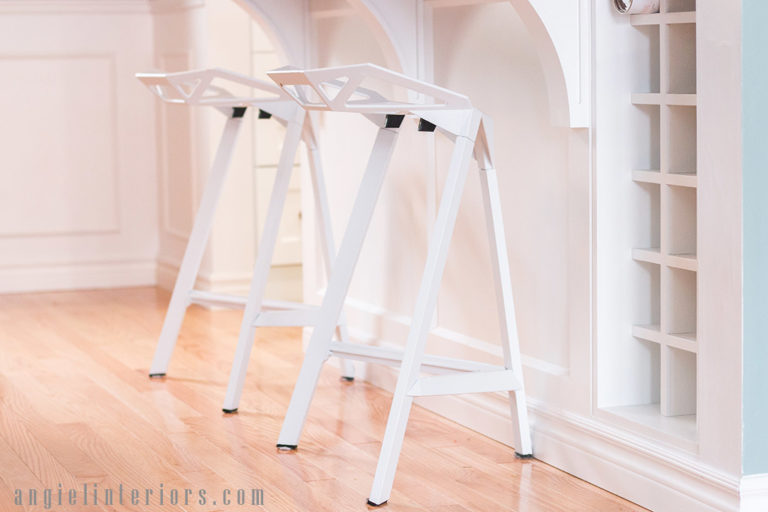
{"x": 284, "y": 281}
{"x": 166, "y": 274}
{"x": 236, "y": 284}
{"x": 754, "y": 493}
{"x": 79, "y": 276}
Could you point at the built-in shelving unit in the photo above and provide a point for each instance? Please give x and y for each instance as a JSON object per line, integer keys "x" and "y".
{"x": 669, "y": 266}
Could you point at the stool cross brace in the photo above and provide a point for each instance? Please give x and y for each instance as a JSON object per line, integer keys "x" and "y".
{"x": 338, "y": 89}
{"x": 202, "y": 88}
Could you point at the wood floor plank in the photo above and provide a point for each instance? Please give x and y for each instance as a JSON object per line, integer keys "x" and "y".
{"x": 76, "y": 406}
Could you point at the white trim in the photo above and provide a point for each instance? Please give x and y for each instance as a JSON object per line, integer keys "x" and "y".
{"x": 116, "y": 274}
{"x": 282, "y": 278}
{"x": 165, "y": 276}
{"x": 77, "y": 6}
{"x": 168, "y": 6}
{"x": 754, "y": 493}
{"x": 98, "y": 6}
{"x": 221, "y": 282}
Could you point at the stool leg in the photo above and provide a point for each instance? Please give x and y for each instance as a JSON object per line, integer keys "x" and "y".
{"x": 440, "y": 240}
{"x": 506, "y": 306}
{"x": 338, "y": 284}
{"x": 193, "y": 255}
{"x": 323, "y": 216}
{"x": 261, "y": 268}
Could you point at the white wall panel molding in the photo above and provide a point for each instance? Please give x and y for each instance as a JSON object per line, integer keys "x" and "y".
{"x": 77, "y": 186}
{"x": 77, "y": 6}
{"x": 91, "y": 181}
{"x": 174, "y": 6}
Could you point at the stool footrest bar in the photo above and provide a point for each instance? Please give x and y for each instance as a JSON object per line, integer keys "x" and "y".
{"x": 393, "y": 357}
{"x": 459, "y": 383}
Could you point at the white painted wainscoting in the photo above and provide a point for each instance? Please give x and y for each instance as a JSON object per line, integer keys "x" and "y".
{"x": 78, "y": 194}
{"x": 99, "y": 181}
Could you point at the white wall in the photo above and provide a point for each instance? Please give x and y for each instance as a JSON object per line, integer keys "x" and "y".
{"x": 77, "y": 167}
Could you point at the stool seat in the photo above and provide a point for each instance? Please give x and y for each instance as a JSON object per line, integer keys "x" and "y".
{"x": 342, "y": 89}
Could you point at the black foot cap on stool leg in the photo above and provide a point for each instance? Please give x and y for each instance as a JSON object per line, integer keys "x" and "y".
{"x": 521, "y": 456}
{"x": 230, "y": 411}
{"x": 287, "y": 447}
{"x": 372, "y": 504}
{"x": 156, "y": 375}
{"x": 347, "y": 379}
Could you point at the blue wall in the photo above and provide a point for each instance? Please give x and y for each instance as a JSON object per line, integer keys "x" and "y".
{"x": 755, "y": 211}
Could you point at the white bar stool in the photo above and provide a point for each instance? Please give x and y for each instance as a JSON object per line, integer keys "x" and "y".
{"x": 338, "y": 89}
{"x": 198, "y": 88}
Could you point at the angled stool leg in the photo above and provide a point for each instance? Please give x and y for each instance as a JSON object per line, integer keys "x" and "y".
{"x": 506, "y": 307}
{"x": 193, "y": 255}
{"x": 338, "y": 284}
{"x": 263, "y": 263}
{"x": 440, "y": 240}
{"x": 326, "y": 238}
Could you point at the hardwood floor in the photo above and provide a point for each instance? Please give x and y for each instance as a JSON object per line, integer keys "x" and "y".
{"x": 77, "y": 408}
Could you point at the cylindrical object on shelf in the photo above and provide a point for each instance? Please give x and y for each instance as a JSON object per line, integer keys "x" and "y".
{"x": 636, "y": 6}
